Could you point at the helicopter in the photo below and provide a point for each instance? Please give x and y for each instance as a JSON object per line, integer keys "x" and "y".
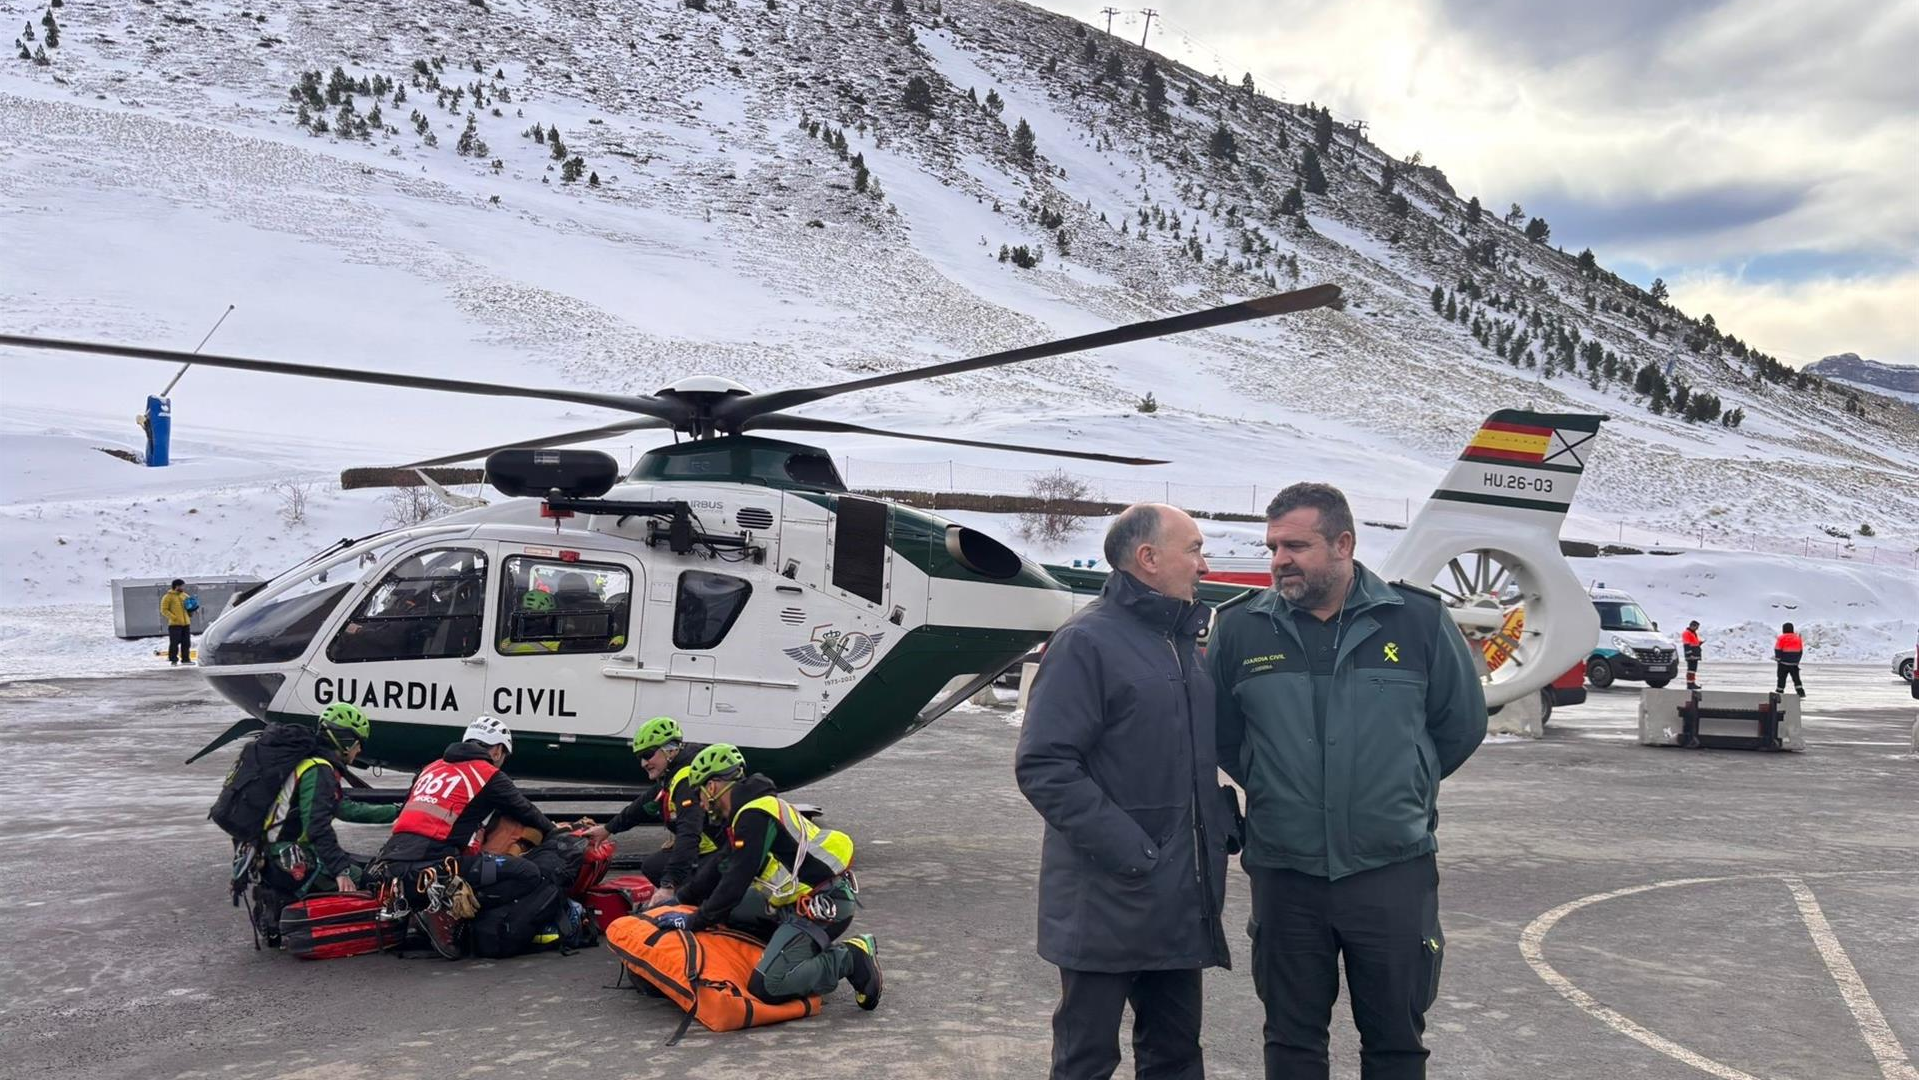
{"x": 732, "y": 580}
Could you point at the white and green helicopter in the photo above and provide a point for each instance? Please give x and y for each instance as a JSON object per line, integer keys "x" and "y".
{"x": 732, "y": 581}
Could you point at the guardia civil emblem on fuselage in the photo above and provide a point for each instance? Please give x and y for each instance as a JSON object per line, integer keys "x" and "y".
{"x": 830, "y": 649}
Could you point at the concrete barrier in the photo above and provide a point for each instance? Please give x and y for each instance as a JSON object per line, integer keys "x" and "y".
{"x": 1523, "y": 717}
{"x": 1662, "y": 723}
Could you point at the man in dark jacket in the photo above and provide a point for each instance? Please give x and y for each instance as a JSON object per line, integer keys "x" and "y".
{"x": 1342, "y": 702}
{"x": 447, "y": 804}
{"x": 1117, "y": 755}
{"x": 672, "y": 799}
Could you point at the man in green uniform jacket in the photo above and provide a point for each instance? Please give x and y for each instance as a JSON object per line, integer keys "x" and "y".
{"x": 301, "y": 844}
{"x": 1342, "y": 702}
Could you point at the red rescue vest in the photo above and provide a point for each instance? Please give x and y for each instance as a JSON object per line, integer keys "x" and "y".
{"x": 440, "y": 794}
{"x": 1790, "y": 643}
{"x": 1690, "y": 638}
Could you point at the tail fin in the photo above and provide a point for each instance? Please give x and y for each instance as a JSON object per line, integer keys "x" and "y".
{"x": 1488, "y": 542}
{"x": 1523, "y": 461}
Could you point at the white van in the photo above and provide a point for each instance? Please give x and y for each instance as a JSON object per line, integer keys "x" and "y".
{"x": 1630, "y": 645}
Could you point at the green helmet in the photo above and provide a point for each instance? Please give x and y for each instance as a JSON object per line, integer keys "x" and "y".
{"x": 656, "y": 733}
{"x": 346, "y": 717}
{"x": 535, "y": 600}
{"x": 719, "y": 760}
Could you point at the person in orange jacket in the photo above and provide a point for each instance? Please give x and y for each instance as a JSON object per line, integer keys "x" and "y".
{"x": 1694, "y": 648}
{"x": 1786, "y": 652}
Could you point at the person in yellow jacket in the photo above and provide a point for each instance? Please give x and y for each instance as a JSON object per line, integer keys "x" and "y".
{"x": 782, "y": 879}
{"x": 173, "y": 608}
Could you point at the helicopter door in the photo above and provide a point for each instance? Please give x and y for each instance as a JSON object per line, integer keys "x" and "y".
{"x": 565, "y": 657}
{"x": 411, "y": 648}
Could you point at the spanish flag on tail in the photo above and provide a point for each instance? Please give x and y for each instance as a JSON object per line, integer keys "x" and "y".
{"x": 1523, "y": 461}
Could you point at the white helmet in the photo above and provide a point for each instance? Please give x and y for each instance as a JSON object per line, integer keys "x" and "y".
{"x": 488, "y": 732}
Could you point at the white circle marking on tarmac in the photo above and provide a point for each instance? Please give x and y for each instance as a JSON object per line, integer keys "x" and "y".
{"x": 1885, "y": 1048}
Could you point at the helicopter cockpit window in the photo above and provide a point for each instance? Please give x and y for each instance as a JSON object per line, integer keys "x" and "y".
{"x": 427, "y": 607}
{"x": 552, "y": 606}
{"x": 706, "y": 607}
{"x": 278, "y": 622}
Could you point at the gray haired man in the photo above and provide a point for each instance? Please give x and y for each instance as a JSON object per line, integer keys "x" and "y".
{"x": 1117, "y": 756}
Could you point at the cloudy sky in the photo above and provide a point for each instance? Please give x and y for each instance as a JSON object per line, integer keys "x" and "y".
{"x": 1760, "y": 155}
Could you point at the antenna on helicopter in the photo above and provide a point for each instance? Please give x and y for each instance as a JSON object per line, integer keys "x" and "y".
{"x": 707, "y": 406}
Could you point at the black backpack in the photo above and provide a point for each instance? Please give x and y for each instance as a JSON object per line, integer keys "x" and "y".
{"x": 256, "y": 777}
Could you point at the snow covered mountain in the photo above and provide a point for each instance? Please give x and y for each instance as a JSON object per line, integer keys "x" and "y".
{"x": 1894, "y": 380}
{"x": 787, "y": 192}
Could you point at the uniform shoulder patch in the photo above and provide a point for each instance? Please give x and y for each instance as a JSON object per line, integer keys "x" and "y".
{"x": 1227, "y": 605}
{"x": 1419, "y": 590}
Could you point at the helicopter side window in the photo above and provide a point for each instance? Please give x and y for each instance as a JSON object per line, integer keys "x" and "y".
{"x": 427, "y": 607}
{"x": 552, "y": 606}
{"x": 706, "y": 607}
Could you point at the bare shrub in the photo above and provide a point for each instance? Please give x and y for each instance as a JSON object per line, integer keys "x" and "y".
{"x": 293, "y": 496}
{"x": 1056, "y": 519}
{"x": 412, "y": 505}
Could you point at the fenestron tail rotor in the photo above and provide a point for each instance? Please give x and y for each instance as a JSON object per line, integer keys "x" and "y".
{"x": 704, "y": 407}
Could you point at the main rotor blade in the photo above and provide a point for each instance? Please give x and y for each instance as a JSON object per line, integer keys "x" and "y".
{"x": 563, "y": 439}
{"x": 735, "y": 411}
{"x": 650, "y": 406}
{"x": 806, "y": 423}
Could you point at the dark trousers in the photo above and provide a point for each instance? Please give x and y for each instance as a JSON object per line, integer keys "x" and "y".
{"x": 1793, "y": 671}
{"x": 1166, "y": 1009}
{"x": 1385, "y": 923}
{"x": 179, "y": 644}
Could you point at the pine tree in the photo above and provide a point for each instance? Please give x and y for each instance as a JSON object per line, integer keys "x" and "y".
{"x": 1113, "y": 71}
{"x": 994, "y": 103}
{"x": 1222, "y": 144}
{"x": 1311, "y": 176}
{"x": 1439, "y": 300}
{"x": 593, "y": 179}
{"x": 919, "y": 95}
{"x": 465, "y": 146}
{"x": 25, "y": 55}
{"x": 53, "y": 32}
{"x": 304, "y": 119}
{"x": 1658, "y": 291}
{"x": 1398, "y": 206}
{"x": 571, "y": 170}
{"x": 1323, "y": 129}
{"x": 1023, "y": 144}
{"x": 860, "y": 173}
{"x": 1089, "y": 52}
{"x": 1452, "y": 307}
{"x": 1246, "y": 83}
{"x": 1588, "y": 265}
{"x": 1473, "y": 211}
{"x": 1293, "y": 202}
{"x": 1537, "y": 230}
{"x": 1387, "y": 178}
{"x": 899, "y": 7}
{"x": 555, "y": 148}
{"x": 1155, "y": 91}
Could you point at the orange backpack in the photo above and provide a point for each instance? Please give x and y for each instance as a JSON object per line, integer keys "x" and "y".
{"x": 705, "y": 973}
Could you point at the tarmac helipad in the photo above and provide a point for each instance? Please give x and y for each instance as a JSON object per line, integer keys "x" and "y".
{"x": 1610, "y": 910}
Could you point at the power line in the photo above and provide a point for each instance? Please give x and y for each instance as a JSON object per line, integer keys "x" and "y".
{"x": 1149, "y": 13}
{"x": 1109, "y": 12}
